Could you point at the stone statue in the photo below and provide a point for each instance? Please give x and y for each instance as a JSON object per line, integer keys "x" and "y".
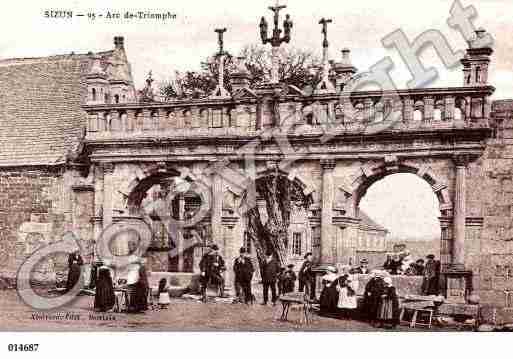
{"x": 147, "y": 92}
{"x": 287, "y": 26}
{"x": 263, "y": 29}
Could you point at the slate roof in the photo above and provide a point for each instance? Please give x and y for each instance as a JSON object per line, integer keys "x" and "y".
{"x": 369, "y": 224}
{"x": 41, "y": 118}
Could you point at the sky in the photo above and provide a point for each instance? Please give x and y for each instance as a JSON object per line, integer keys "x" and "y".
{"x": 405, "y": 205}
{"x": 182, "y": 43}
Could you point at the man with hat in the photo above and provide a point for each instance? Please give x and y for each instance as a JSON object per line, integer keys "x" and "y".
{"x": 243, "y": 270}
{"x": 307, "y": 277}
{"x": 363, "y": 268}
{"x": 430, "y": 284}
{"x": 270, "y": 269}
{"x": 212, "y": 266}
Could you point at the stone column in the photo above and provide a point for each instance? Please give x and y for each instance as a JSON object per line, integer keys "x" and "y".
{"x": 216, "y": 209}
{"x": 179, "y": 234}
{"x": 458, "y": 251}
{"x": 98, "y": 201}
{"x": 108, "y": 190}
{"x": 327, "y": 231}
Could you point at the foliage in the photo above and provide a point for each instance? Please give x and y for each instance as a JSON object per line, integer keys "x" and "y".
{"x": 296, "y": 67}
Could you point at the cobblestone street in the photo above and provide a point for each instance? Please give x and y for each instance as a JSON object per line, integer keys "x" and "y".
{"x": 182, "y": 315}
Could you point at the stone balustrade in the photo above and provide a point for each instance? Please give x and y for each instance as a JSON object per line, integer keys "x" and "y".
{"x": 404, "y": 110}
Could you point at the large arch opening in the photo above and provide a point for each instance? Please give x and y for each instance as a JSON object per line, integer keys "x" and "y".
{"x": 399, "y": 212}
{"x": 163, "y": 197}
{"x": 276, "y": 219}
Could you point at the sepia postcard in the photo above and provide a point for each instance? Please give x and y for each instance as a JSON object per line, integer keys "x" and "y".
{"x": 237, "y": 166}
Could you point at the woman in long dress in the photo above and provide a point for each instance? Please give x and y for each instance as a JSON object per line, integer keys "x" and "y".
{"x": 104, "y": 297}
{"x": 329, "y": 295}
{"x": 388, "y": 309}
{"x": 347, "y": 299}
{"x": 75, "y": 263}
{"x": 141, "y": 291}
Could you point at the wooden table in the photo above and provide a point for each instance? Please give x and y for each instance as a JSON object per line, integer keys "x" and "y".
{"x": 289, "y": 300}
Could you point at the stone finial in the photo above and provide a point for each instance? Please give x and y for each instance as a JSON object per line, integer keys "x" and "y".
{"x": 344, "y": 69}
{"x": 147, "y": 94}
{"x": 477, "y": 58}
{"x": 119, "y": 42}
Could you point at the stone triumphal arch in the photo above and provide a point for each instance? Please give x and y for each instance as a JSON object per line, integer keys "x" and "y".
{"x": 302, "y": 160}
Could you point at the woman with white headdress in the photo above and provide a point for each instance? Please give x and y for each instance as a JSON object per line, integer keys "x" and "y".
{"x": 329, "y": 295}
{"x": 388, "y": 309}
{"x": 347, "y": 286}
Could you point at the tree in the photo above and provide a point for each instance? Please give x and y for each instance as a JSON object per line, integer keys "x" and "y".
{"x": 297, "y": 67}
{"x": 279, "y": 194}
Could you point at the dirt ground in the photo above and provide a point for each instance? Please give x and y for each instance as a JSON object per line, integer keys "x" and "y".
{"x": 182, "y": 315}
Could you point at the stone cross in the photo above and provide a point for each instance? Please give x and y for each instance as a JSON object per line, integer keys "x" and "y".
{"x": 220, "y": 91}
{"x": 276, "y": 40}
{"x": 325, "y": 86}
{"x": 220, "y": 40}
{"x": 324, "y": 22}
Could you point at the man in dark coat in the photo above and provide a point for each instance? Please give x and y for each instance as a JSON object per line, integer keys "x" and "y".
{"x": 430, "y": 284}
{"x": 270, "y": 269}
{"x": 289, "y": 279}
{"x": 243, "y": 269}
{"x": 212, "y": 266}
{"x": 372, "y": 296}
{"x": 307, "y": 277}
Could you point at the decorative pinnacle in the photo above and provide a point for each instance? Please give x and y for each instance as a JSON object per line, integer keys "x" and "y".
{"x": 220, "y": 40}
{"x": 324, "y": 22}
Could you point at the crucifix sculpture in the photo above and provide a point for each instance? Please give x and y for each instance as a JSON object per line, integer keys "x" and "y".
{"x": 324, "y": 22}
{"x": 276, "y": 40}
{"x": 325, "y": 86}
{"x": 220, "y": 40}
{"x": 220, "y": 91}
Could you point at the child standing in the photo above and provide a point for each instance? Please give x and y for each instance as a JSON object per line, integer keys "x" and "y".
{"x": 164, "y": 299}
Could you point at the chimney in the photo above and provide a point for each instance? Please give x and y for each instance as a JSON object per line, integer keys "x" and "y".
{"x": 119, "y": 42}
{"x": 344, "y": 69}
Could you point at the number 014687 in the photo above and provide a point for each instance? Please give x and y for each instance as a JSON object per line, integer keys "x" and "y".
{"x": 23, "y": 347}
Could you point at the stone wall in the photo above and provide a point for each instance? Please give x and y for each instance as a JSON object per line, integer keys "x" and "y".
{"x": 491, "y": 194}
{"x": 31, "y": 215}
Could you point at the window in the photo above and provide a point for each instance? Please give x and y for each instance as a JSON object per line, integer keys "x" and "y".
{"x": 116, "y": 98}
{"x": 94, "y": 94}
{"x": 297, "y": 249}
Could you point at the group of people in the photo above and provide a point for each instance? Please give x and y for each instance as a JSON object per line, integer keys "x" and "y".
{"x": 276, "y": 280}
{"x": 403, "y": 264}
{"x": 380, "y": 303}
{"x": 136, "y": 286}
